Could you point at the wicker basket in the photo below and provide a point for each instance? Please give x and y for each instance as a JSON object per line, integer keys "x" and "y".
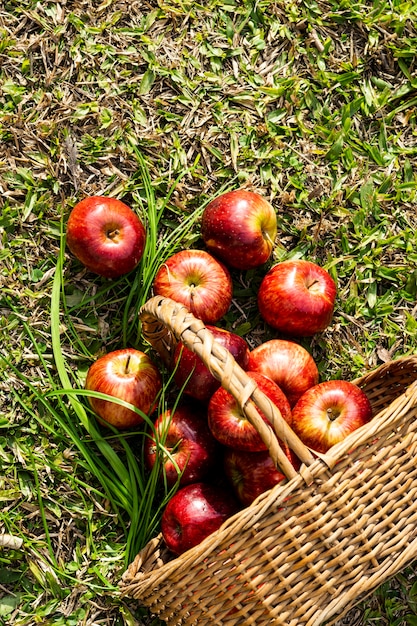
{"x": 308, "y": 550}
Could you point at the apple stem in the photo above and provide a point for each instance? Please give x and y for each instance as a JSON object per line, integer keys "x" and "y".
{"x": 332, "y": 414}
{"x": 112, "y": 234}
{"x": 127, "y": 364}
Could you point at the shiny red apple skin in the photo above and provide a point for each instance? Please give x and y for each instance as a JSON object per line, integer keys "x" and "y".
{"x": 328, "y": 412}
{"x": 193, "y": 376}
{"x": 106, "y": 236}
{"x": 197, "y": 280}
{"x": 126, "y": 374}
{"x": 297, "y": 298}
{"x": 184, "y": 432}
{"x": 253, "y": 473}
{"x": 240, "y": 227}
{"x": 193, "y": 513}
{"x": 288, "y": 364}
{"x": 230, "y": 426}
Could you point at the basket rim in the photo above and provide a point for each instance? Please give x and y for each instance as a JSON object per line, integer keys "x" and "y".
{"x": 321, "y": 467}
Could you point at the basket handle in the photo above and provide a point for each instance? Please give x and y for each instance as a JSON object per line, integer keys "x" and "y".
{"x": 165, "y": 322}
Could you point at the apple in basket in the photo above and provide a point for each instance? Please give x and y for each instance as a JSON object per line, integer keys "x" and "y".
{"x": 240, "y": 228}
{"x": 183, "y": 439}
{"x": 253, "y": 473}
{"x": 106, "y": 236}
{"x": 297, "y": 298}
{"x": 193, "y": 376}
{"x": 288, "y": 364}
{"x": 328, "y": 412}
{"x": 128, "y": 375}
{"x": 229, "y": 424}
{"x": 197, "y": 280}
{"x": 193, "y": 513}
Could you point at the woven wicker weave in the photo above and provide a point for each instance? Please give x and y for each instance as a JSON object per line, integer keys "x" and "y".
{"x": 307, "y": 550}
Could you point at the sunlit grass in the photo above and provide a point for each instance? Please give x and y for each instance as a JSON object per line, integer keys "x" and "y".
{"x": 164, "y": 107}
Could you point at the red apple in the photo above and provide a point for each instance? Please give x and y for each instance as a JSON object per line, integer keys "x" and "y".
{"x": 194, "y": 512}
{"x": 106, "y": 236}
{"x": 297, "y": 298}
{"x": 231, "y": 427}
{"x": 185, "y": 435}
{"x": 328, "y": 412}
{"x": 240, "y": 228}
{"x": 128, "y": 375}
{"x": 197, "y": 280}
{"x": 288, "y": 364}
{"x": 252, "y": 473}
{"x": 193, "y": 376}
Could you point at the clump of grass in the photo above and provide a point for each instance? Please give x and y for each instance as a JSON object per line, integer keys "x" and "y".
{"x": 114, "y": 460}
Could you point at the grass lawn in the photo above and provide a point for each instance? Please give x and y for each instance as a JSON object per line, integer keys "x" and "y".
{"x": 164, "y": 104}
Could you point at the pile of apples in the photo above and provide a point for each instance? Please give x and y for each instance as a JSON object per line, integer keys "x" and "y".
{"x": 209, "y": 449}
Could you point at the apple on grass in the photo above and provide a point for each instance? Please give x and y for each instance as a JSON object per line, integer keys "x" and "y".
{"x": 231, "y": 427}
{"x": 106, "y": 236}
{"x": 193, "y": 513}
{"x": 328, "y": 412}
{"x": 253, "y": 473}
{"x": 126, "y": 374}
{"x": 288, "y": 364}
{"x": 183, "y": 439}
{"x": 240, "y": 228}
{"x": 193, "y": 376}
{"x": 297, "y": 298}
{"x": 197, "y": 280}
